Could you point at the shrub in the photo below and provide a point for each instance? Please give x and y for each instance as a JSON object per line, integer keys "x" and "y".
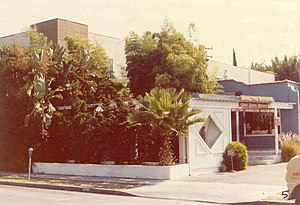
{"x": 290, "y": 145}
{"x": 240, "y": 158}
{"x": 289, "y": 150}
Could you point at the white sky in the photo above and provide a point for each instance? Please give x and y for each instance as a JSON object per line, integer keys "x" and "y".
{"x": 257, "y": 29}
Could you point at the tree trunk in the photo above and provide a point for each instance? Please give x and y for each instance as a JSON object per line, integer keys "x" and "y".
{"x": 166, "y": 155}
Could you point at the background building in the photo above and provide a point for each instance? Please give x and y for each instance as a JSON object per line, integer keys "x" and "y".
{"x": 57, "y": 29}
{"x": 225, "y": 71}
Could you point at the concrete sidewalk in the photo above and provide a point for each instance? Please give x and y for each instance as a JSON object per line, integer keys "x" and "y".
{"x": 251, "y": 186}
{"x": 208, "y": 191}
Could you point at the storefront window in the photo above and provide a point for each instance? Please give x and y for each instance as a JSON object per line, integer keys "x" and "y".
{"x": 259, "y": 123}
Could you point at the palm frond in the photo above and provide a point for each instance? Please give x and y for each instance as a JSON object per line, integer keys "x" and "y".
{"x": 165, "y": 111}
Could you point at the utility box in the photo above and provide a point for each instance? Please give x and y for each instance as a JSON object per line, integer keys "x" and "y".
{"x": 293, "y": 178}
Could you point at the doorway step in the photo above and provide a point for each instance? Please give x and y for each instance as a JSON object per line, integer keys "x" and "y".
{"x": 263, "y": 157}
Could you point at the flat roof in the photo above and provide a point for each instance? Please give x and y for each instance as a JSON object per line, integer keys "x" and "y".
{"x": 266, "y": 100}
{"x": 56, "y": 19}
{"x": 265, "y": 83}
{"x": 215, "y": 97}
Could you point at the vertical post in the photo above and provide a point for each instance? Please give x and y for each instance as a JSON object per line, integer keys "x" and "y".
{"x": 279, "y": 117}
{"x": 29, "y": 169}
{"x": 30, "y": 150}
{"x": 182, "y": 149}
{"x": 298, "y": 68}
{"x": 231, "y": 154}
{"x": 237, "y": 126}
{"x": 244, "y": 122}
{"x": 188, "y": 148}
{"x": 276, "y": 132}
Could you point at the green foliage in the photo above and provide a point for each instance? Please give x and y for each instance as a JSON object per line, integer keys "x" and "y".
{"x": 87, "y": 58}
{"x": 240, "y": 158}
{"x": 38, "y": 41}
{"x": 286, "y": 68}
{"x": 100, "y": 105}
{"x": 163, "y": 114}
{"x": 263, "y": 67}
{"x": 166, "y": 59}
{"x": 37, "y": 80}
{"x": 289, "y": 150}
{"x": 14, "y": 104}
{"x": 283, "y": 69}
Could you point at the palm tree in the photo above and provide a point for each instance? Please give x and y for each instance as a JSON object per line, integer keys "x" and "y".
{"x": 165, "y": 113}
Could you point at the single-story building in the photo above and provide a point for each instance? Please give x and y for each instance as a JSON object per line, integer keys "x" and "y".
{"x": 252, "y": 120}
{"x": 281, "y": 91}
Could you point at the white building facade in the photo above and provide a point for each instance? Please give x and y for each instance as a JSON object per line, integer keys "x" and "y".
{"x": 248, "y": 76}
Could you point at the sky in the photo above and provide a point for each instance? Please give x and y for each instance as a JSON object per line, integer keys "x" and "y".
{"x": 258, "y": 30}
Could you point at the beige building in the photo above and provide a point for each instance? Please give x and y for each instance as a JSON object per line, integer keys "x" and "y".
{"x": 225, "y": 71}
{"x": 57, "y": 29}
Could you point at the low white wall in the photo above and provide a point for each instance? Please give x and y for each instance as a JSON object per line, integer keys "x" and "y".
{"x": 101, "y": 170}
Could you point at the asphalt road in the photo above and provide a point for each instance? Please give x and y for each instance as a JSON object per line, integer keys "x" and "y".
{"x": 12, "y": 195}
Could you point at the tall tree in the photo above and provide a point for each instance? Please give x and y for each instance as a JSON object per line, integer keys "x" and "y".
{"x": 287, "y": 68}
{"x": 263, "y": 67}
{"x": 234, "y": 59}
{"x": 14, "y": 77}
{"x": 166, "y": 59}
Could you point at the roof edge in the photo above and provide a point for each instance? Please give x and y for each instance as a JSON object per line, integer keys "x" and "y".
{"x": 274, "y": 82}
{"x": 60, "y": 19}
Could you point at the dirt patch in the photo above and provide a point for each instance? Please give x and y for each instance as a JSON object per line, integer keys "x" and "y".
{"x": 68, "y": 182}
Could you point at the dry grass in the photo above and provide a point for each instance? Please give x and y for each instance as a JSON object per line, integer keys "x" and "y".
{"x": 68, "y": 182}
{"x": 275, "y": 197}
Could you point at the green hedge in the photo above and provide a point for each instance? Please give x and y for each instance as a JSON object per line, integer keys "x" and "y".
{"x": 240, "y": 158}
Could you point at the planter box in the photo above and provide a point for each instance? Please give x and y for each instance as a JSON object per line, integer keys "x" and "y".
{"x": 102, "y": 170}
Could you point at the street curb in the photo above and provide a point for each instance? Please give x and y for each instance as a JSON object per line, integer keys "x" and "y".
{"x": 262, "y": 202}
{"x": 69, "y": 188}
{"x": 123, "y": 193}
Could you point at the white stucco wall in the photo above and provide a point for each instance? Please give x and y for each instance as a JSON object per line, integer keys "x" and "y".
{"x": 201, "y": 157}
{"x": 101, "y": 170}
{"x": 245, "y": 75}
{"x": 114, "y": 48}
{"x": 15, "y": 38}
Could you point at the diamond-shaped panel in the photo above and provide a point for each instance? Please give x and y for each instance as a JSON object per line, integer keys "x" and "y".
{"x": 210, "y": 132}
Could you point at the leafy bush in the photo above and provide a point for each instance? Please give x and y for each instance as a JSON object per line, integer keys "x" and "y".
{"x": 290, "y": 145}
{"x": 240, "y": 158}
{"x": 289, "y": 150}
